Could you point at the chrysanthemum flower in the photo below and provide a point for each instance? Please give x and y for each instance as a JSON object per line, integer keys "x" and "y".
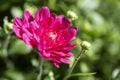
{"x": 49, "y": 33}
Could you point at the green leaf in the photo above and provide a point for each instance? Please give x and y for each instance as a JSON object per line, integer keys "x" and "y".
{"x": 14, "y": 74}
{"x": 83, "y": 74}
{"x": 35, "y": 62}
{"x": 19, "y": 47}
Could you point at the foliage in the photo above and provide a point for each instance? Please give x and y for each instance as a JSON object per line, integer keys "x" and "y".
{"x": 98, "y": 22}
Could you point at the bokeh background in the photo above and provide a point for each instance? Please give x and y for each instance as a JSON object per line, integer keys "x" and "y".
{"x": 98, "y": 22}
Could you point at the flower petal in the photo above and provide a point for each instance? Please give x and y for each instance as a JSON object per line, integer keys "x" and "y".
{"x": 44, "y": 13}
{"x": 18, "y": 22}
{"x": 69, "y": 47}
{"x": 28, "y": 16}
{"x": 51, "y": 20}
{"x": 69, "y": 54}
{"x": 64, "y": 60}
{"x": 52, "y": 15}
{"x": 44, "y": 54}
{"x": 56, "y": 64}
{"x": 37, "y": 15}
{"x": 17, "y": 27}
{"x": 58, "y": 21}
{"x": 60, "y": 53}
{"x": 66, "y": 23}
{"x": 73, "y": 31}
{"x": 26, "y": 39}
{"x": 17, "y": 31}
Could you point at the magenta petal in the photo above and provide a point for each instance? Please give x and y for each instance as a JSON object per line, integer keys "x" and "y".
{"x": 59, "y": 23}
{"x": 17, "y": 27}
{"x": 18, "y": 22}
{"x": 37, "y": 15}
{"x": 29, "y": 40}
{"x": 64, "y": 60}
{"x": 69, "y": 54}
{"x": 26, "y": 39}
{"x": 56, "y": 64}
{"x": 44, "y": 13}
{"x": 66, "y": 23}
{"x": 73, "y": 31}
{"x": 54, "y": 59}
{"x": 36, "y": 36}
{"x": 33, "y": 25}
{"x": 17, "y": 31}
{"x": 28, "y": 16}
{"x": 45, "y": 54}
{"x": 59, "y": 20}
{"x": 51, "y": 20}
{"x": 25, "y": 24}
{"x": 52, "y": 15}
{"x": 59, "y": 53}
{"x": 69, "y": 47}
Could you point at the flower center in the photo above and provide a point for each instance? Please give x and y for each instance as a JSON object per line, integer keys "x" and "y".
{"x": 52, "y": 35}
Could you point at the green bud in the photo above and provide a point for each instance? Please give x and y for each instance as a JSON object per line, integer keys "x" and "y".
{"x": 72, "y": 15}
{"x": 35, "y": 62}
{"x": 85, "y": 45}
{"x": 51, "y": 75}
{"x": 7, "y": 25}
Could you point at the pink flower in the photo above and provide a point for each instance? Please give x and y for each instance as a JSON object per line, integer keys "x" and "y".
{"x": 49, "y": 33}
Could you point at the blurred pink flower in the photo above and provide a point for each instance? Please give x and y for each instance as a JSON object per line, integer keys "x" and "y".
{"x": 49, "y": 33}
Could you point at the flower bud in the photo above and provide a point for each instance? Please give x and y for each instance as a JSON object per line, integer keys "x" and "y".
{"x": 7, "y": 25}
{"x": 72, "y": 15}
{"x": 85, "y": 45}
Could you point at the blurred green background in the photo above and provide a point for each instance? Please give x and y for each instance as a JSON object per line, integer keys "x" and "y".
{"x": 98, "y": 22}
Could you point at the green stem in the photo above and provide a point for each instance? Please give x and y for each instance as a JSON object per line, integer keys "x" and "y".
{"x": 74, "y": 64}
{"x": 5, "y": 46}
{"x": 9, "y": 63}
{"x": 40, "y": 70}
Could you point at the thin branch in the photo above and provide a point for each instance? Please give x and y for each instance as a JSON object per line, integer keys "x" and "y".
{"x": 39, "y": 77}
{"x": 74, "y": 64}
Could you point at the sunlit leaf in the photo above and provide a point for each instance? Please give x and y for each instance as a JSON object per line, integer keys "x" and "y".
{"x": 83, "y": 74}
{"x": 19, "y": 47}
